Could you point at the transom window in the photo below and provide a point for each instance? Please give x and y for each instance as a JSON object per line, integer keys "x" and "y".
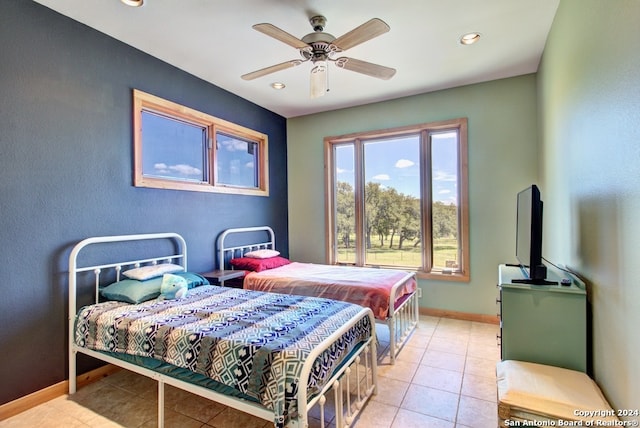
{"x": 398, "y": 198}
{"x": 176, "y": 147}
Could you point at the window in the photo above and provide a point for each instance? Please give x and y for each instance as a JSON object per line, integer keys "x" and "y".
{"x": 176, "y": 147}
{"x": 398, "y": 198}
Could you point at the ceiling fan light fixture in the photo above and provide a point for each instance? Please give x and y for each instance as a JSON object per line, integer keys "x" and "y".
{"x": 469, "y": 38}
{"x": 133, "y": 3}
{"x": 319, "y": 79}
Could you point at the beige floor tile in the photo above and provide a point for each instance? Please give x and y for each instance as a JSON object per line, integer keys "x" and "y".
{"x": 401, "y": 370}
{"x": 174, "y": 420}
{"x": 451, "y": 344}
{"x": 408, "y": 419}
{"x": 376, "y": 415}
{"x": 195, "y": 407}
{"x": 476, "y": 413}
{"x": 443, "y": 360}
{"x": 433, "y": 377}
{"x": 480, "y": 367}
{"x": 480, "y": 387}
{"x": 411, "y": 354}
{"x": 43, "y": 415}
{"x": 487, "y": 351}
{"x": 231, "y": 418}
{"x": 432, "y": 402}
{"x": 390, "y": 391}
{"x": 484, "y": 328}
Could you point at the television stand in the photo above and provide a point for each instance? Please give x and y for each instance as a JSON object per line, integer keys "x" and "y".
{"x": 545, "y": 324}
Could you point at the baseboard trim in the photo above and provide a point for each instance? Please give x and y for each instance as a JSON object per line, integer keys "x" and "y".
{"x": 466, "y": 316}
{"x": 27, "y": 402}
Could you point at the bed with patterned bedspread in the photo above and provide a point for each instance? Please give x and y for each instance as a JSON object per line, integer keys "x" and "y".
{"x": 274, "y": 356}
{"x": 392, "y": 294}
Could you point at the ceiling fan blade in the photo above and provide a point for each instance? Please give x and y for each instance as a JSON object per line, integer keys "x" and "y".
{"x": 283, "y": 36}
{"x": 361, "y": 34}
{"x": 364, "y": 67}
{"x": 272, "y": 69}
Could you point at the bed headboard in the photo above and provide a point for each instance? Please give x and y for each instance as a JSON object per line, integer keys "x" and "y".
{"x": 177, "y": 256}
{"x": 238, "y": 241}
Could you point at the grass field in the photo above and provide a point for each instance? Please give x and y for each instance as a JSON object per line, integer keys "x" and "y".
{"x": 444, "y": 250}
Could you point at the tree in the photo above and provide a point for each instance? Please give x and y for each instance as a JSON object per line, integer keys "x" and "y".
{"x": 445, "y": 220}
{"x": 345, "y": 213}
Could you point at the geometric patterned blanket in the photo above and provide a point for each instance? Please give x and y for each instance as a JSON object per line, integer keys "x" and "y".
{"x": 252, "y": 341}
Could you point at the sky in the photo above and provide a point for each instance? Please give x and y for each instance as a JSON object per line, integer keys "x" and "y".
{"x": 176, "y": 149}
{"x": 395, "y": 163}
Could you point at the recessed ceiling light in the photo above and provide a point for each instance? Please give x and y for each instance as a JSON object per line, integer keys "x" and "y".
{"x": 278, "y": 85}
{"x": 469, "y": 38}
{"x": 134, "y": 3}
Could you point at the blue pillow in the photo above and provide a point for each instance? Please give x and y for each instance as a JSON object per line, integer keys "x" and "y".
{"x": 193, "y": 279}
{"x": 134, "y": 291}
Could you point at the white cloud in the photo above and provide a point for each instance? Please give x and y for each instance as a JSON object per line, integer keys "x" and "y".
{"x": 381, "y": 177}
{"x": 161, "y": 167}
{"x": 444, "y": 191}
{"x": 404, "y": 163}
{"x": 182, "y": 169}
{"x": 444, "y": 176}
{"x": 233, "y": 145}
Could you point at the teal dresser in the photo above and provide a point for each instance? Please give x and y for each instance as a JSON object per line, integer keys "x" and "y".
{"x": 544, "y": 324}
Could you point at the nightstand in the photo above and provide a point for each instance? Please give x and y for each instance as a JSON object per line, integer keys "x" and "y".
{"x": 220, "y": 276}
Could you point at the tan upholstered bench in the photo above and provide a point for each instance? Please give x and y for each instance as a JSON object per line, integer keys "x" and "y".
{"x": 535, "y": 392}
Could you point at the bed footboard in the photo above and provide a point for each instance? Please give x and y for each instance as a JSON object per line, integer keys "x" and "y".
{"x": 403, "y": 318}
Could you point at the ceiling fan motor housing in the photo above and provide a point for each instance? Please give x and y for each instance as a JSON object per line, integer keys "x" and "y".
{"x": 320, "y": 42}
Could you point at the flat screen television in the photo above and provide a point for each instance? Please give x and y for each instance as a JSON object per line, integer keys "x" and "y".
{"x": 529, "y": 237}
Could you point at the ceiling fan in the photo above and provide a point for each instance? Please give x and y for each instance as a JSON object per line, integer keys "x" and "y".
{"x": 320, "y": 48}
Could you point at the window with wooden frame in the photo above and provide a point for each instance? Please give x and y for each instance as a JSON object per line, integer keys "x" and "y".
{"x": 179, "y": 148}
{"x": 398, "y": 198}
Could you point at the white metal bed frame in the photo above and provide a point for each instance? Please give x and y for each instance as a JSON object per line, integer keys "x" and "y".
{"x": 401, "y": 320}
{"x": 349, "y": 395}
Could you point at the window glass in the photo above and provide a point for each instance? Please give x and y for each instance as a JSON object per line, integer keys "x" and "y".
{"x": 444, "y": 188}
{"x": 237, "y": 161}
{"x": 398, "y": 198}
{"x": 345, "y": 204}
{"x": 173, "y": 149}
{"x": 392, "y": 202}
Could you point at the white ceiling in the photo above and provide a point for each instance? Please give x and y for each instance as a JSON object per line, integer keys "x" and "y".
{"x": 214, "y": 41}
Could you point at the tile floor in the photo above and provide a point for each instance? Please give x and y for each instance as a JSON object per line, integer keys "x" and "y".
{"x": 444, "y": 378}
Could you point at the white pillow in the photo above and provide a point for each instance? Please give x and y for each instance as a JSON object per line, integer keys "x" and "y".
{"x": 152, "y": 271}
{"x": 262, "y": 254}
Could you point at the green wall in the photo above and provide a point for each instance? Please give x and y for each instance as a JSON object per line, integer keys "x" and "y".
{"x": 502, "y": 160}
{"x": 589, "y": 103}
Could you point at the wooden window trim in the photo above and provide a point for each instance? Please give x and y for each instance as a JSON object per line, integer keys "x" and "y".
{"x": 463, "y": 275}
{"x": 147, "y": 102}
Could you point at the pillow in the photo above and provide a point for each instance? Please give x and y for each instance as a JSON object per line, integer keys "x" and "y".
{"x": 152, "y": 271}
{"x": 193, "y": 279}
{"x": 262, "y": 254}
{"x": 258, "y": 265}
{"x": 133, "y": 291}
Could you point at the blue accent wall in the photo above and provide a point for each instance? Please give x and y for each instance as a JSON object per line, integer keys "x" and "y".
{"x": 66, "y": 174}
